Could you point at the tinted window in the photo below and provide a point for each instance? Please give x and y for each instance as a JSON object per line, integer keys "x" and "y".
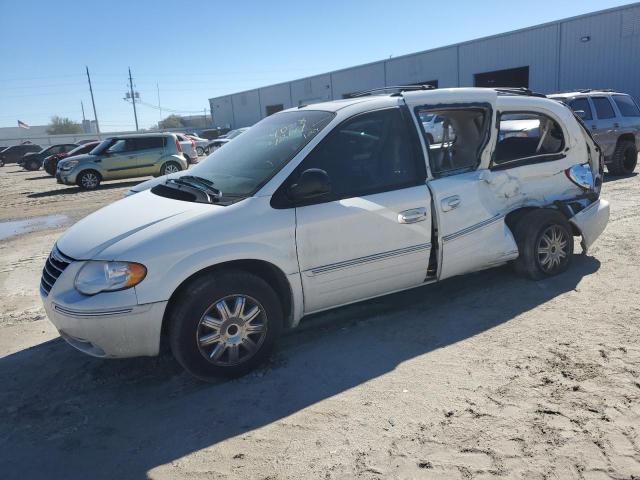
{"x": 626, "y": 105}
{"x": 582, "y": 104}
{"x": 146, "y": 143}
{"x": 604, "y": 109}
{"x": 455, "y": 138}
{"x": 525, "y": 135}
{"x": 367, "y": 154}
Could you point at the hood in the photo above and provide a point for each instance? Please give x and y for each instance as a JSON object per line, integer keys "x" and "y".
{"x": 81, "y": 158}
{"x": 124, "y": 218}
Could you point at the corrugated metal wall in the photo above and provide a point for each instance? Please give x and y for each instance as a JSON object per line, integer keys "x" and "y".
{"x": 600, "y": 50}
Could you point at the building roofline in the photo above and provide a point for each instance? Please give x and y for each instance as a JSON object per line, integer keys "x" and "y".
{"x": 444, "y": 47}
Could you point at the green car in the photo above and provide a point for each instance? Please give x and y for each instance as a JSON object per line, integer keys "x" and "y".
{"x": 126, "y": 156}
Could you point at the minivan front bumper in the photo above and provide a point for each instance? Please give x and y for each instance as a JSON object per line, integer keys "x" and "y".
{"x": 591, "y": 222}
{"x": 109, "y": 324}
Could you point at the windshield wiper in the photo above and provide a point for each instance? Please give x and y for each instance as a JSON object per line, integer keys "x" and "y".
{"x": 197, "y": 183}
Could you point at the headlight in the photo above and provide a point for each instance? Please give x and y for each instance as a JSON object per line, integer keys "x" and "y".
{"x": 95, "y": 276}
{"x": 69, "y": 165}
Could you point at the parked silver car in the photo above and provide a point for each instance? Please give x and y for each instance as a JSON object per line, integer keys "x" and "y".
{"x": 614, "y": 121}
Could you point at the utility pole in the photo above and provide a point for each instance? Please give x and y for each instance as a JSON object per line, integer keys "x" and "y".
{"x": 95, "y": 115}
{"x": 159, "y": 106}
{"x": 133, "y": 99}
{"x": 82, "y": 107}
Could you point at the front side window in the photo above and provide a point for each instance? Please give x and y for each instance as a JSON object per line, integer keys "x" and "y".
{"x": 119, "y": 146}
{"x": 527, "y": 136}
{"x": 582, "y": 105}
{"x": 251, "y": 159}
{"x": 626, "y": 105}
{"x": 604, "y": 109}
{"x": 367, "y": 154}
{"x": 455, "y": 137}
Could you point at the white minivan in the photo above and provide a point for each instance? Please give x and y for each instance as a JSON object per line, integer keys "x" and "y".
{"x": 321, "y": 206}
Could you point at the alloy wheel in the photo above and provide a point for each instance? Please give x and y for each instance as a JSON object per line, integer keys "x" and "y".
{"x": 232, "y": 330}
{"x": 552, "y": 248}
{"x": 89, "y": 180}
{"x": 171, "y": 168}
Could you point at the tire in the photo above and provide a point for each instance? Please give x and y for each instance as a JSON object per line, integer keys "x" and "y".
{"x": 625, "y": 158}
{"x": 89, "y": 180}
{"x": 1, "y": 163}
{"x": 170, "y": 167}
{"x": 50, "y": 168}
{"x": 197, "y": 318}
{"x": 200, "y": 151}
{"x": 541, "y": 230}
{"x": 32, "y": 165}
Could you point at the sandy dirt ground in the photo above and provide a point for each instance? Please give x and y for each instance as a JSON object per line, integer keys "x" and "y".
{"x": 483, "y": 376}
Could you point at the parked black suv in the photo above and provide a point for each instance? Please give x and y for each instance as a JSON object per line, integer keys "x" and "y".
{"x": 33, "y": 161}
{"x": 15, "y": 153}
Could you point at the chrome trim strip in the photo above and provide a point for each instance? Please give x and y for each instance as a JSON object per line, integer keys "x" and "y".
{"x": 369, "y": 258}
{"x": 472, "y": 228}
{"x": 76, "y": 313}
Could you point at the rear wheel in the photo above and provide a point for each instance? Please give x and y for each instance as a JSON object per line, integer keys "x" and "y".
{"x": 225, "y": 324}
{"x": 545, "y": 244}
{"x": 89, "y": 180}
{"x": 32, "y": 165}
{"x": 625, "y": 158}
{"x": 200, "y": 151}
{"x": 170, "y": 167}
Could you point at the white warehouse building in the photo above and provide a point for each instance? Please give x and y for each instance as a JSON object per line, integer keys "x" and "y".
{"x": 596, "y": 50}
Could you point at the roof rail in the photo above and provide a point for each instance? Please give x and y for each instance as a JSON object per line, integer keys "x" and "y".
{"x": 400, "y": 88}
{"x": 519, "y": 91}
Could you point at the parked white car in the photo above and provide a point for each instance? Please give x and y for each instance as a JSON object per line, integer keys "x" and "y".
{"x": 321, "y": 206}
{"x": 201, "y": 143}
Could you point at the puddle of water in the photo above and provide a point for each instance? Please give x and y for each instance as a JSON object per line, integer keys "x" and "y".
{"x": 35, "y": 224}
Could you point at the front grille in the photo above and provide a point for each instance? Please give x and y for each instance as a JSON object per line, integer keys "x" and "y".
{"x": 55, "y": 265}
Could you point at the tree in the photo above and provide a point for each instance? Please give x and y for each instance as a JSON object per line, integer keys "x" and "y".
{"x": 62, "y": 125}
{"x": 172, "y": 121}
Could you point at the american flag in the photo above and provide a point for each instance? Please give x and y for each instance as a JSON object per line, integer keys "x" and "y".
{"x": 21, "y": 124}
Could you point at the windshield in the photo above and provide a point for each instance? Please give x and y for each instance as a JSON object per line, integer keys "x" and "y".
{"x": 247, "y": 163}
{"x": 80, "y": 149}
{"x": 102, "y": 146}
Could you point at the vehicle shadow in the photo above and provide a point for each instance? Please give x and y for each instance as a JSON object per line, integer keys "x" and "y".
{"x": 612, "y": 178}
{"x": 73, "y": 416}
{"x": 44, "y": 177}
{"x": 65, "y": 191}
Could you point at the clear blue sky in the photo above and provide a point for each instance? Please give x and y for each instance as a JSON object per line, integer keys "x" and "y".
{"x": 201, "y": 49}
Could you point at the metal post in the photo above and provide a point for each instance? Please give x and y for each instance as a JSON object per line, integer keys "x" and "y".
{"x": 159, "y": 106}
{"x": 95, "y": 115}
{"x": 133, "y": 99}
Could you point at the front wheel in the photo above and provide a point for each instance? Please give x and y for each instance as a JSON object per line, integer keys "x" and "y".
{"x": 89, "y": 180}
{"x": 224, "y": 324}
{"x": 545, "y": 244}
{"x": 32, "y": 165}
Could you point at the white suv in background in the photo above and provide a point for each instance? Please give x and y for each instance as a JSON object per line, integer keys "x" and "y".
{"x": 321, "y": 206}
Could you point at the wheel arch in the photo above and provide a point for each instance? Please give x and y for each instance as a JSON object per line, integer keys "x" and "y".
{"x": 626, "y": 137}
{"x": 269, "y": 272}
{"x": 513, "y": 217}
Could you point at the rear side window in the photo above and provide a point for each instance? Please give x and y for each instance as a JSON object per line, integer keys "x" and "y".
{"x": 527, "y": 136}
{"x": 582, "y": 104}
{"x": 455, "y": 138}
{"x": 604, "y": 109}
{"x": 370, "y": 153}
{"x": 147, "y": 143}
{"x": 626, "y": 105}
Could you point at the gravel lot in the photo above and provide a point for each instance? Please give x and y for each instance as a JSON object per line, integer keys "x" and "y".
{"x": 482, "y": 376}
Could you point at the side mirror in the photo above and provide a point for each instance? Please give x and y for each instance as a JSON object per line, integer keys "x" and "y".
{"x": 312, "y": 183}
{"x": 581, "y": 113}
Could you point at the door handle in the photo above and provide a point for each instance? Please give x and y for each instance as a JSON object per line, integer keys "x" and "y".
{"x": 450, "y": 203}
{"x": 413, "y": 215}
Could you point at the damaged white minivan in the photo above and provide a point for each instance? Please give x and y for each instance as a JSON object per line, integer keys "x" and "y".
{"x": 320, "y": 206}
